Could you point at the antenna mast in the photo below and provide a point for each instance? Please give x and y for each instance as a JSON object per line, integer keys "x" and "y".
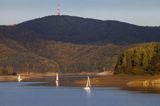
{"x": 58, "y": 11}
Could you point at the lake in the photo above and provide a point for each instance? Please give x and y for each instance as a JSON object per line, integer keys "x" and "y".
{"x": 17, "y": 94}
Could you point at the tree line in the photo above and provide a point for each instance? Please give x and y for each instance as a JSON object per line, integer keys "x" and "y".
{"x": 142, "y": 59}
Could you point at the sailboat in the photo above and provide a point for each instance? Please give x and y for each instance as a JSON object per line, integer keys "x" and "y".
{"x": 57, "y": 80}
{"x": 88, "y": 85}
{"x": 19, "y": 78}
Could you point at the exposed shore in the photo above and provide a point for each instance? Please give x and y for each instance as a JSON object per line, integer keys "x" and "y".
{"x": 43, "y": 77}
{"x": 131, "y": 82}
{"x": 145, "y": 82}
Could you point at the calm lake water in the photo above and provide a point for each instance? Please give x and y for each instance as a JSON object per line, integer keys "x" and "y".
{"x": 16, "y": 94}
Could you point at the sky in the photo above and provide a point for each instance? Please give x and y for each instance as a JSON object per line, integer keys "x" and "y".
{"x": 139, "y": 12}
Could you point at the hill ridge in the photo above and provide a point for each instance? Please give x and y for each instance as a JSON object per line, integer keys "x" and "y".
{"x": 85, "y": 30}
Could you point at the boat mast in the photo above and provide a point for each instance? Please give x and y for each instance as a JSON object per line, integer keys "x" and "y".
{"x": 89, "y": 82}
{"x": 57, "y": 80}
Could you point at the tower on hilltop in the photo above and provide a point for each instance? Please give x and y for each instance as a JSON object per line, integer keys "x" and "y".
{"x": 58, "y": 10}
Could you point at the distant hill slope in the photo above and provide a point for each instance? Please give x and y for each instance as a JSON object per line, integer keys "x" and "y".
{"x": 142, "y": 59}
{"x": 14, "y": 57}
{"x": 51, "y": 56}
{"x": 84, "y": 30}
{"x": 78, "y": 58}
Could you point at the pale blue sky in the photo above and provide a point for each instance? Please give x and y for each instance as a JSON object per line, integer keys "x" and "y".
{"x": 140, "y": 12}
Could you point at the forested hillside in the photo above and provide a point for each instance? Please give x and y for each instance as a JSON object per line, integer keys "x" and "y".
{"x": 51, "y": 56}
{"x": 142, "y": 59}
{"x": 16, "y": 58}
{"x": 78, "y": 58}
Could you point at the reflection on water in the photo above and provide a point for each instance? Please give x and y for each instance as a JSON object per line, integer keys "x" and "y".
{"x": 88, "y": 93}
{"x": 15, "y": 94}
{"x": 88, "y": 98}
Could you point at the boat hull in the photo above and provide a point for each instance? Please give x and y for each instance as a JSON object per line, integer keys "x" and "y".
{"x": 87, "y": 88}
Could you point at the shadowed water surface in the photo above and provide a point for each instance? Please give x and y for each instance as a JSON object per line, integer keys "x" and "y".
{"x": 16, "y": 94}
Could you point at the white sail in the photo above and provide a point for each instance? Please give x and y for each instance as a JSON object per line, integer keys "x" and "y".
{"x": 19, "y": 78}
{"x": 88, "y": 84}
{"x": 57, "y": 80}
